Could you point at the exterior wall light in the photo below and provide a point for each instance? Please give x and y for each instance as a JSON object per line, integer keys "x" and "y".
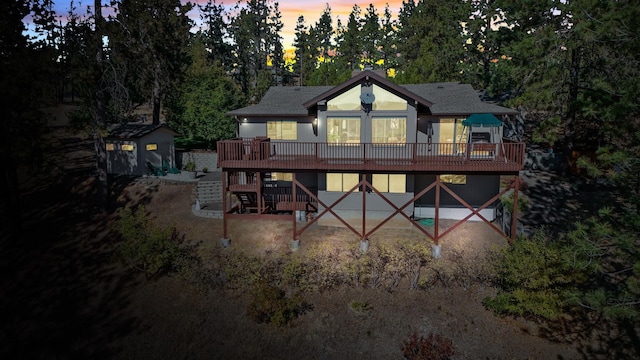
{"x": 314, "y": 125}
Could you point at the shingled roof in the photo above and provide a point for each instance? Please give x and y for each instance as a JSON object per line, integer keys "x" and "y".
{"x": 448, "y": 98}
{"x": 282, "y": 101}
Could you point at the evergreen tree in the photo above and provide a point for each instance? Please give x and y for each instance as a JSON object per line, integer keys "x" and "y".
{"x": 23, "y": 75}
{"x": 371, "y": 37}
{"x": 431, "y": 41}
{"x": 198, "y": 110}
{"x": 255, "y": 33}
{"x": 150, "y": 38}
{"x": 349, "y": 44}
{"x": 216, "y": 35}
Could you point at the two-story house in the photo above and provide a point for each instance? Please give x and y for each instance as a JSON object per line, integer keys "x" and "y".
{"x": 369, "y": 152}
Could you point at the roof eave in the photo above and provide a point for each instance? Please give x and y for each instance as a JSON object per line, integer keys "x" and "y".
{"x": 367, "y": 75}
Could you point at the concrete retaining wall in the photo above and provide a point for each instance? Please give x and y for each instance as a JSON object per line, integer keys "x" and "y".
{"x": 208, "y": 159}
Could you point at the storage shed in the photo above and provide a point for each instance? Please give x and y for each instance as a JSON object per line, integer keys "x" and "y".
{"x": 136, "y": 149}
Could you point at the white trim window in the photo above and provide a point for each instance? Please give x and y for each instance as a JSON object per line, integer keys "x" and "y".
{"x": 282, "y": 130}
{"x": 390, "y": 183}
{"x": 342, "y": 182}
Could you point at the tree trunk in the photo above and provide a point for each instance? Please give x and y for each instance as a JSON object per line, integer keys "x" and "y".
{"x": 100, "y": 115}
{"x": 156, "y": 95}
{"x": 569, "y": 136}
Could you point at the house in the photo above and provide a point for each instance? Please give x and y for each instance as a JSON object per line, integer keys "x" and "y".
{"x": 368, "y": 153}
{"x": 139, "y": 149}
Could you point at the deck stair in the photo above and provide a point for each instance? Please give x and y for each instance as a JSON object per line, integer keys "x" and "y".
{"x": 209, "y": 198}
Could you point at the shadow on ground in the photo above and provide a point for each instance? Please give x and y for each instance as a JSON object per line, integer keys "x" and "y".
{"x": 64, "y": 296}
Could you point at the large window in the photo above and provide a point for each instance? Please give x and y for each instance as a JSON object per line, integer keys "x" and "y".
{"x": 385, "y": 100}
{"x": 391, "y": 130}
{"x": 282, "y": 130}
{"x": 451, "y": 132}
{"x": 349, "y": 100}
{"x": 342, "y": 182}
{"x": 343, "y": 129}
{"x": 390, "y": 183}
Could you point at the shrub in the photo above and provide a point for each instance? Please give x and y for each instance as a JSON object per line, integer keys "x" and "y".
{"x": 533, "y": 278}
{"x": 242, "y": 269}
{"x": 147, "y": 247}
{"x": 270, "y": 305}
{"x": 190, "y": 166}
{"x": 360, "y": 307}
{"x": 433, "y": 347}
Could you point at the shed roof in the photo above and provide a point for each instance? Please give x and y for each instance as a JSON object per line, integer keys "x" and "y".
{"x": 131, "y": 131}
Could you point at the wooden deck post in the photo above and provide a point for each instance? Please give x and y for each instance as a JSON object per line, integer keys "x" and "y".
{"x": 295, "y": 205}
{"x": 225, "y": 237}
{"x": 514, "y": 220}
{"x": 364, "y": 207}
{"x": 436, "y": 223}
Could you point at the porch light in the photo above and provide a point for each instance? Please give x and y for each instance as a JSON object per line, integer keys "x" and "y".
{"x": 314, "y": 125}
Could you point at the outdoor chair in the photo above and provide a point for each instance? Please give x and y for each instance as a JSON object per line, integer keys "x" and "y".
{"x": 169, "y": 169}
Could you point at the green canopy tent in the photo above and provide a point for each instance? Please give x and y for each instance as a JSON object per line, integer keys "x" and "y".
{"x": 473, "y": 125}
{"x": 482, "y": 120}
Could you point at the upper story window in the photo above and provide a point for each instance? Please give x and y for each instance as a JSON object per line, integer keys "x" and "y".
{"x": 389, "y": 130}
{"x": 343, "y": 129}
{"x": 282, "y": 130}
{"x": 451, "y": 131}
{"x": 385, "y": 100}
{"x": 126, "y": 147}
{"x": 349, "y": 100}
{"x": 152, "y": 147}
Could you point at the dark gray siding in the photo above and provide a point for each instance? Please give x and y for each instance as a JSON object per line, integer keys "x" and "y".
{"x": 478, "y": 190}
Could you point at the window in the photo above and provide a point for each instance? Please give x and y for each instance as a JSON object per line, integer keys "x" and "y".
{"x": 387, "y": 101}
{"x": 282, "y": 130}
{"x": 390, "y": 183}
{"x": 126, "y": 147}
{"x": 349, "y": 100}
{"x": 342, "y": 182}
{"x": 343, "y": 129}
{"x": 389, "y": 130}
{"x": 110, "y": 147}
{"x": 152, "y": 147}
{"x": 454, "y": 179}
{"x": 275, "y": 176}
{"x": 451, "y": 132}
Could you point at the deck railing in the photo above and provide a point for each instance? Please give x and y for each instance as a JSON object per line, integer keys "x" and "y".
{"x": 262, "y": 154}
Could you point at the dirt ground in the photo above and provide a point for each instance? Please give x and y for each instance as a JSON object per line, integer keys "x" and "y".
{"x": 331, "y": 330}
{"x": 68, "y": 298}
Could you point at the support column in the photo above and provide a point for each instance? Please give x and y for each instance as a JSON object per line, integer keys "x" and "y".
{"x": 364, "y": 207}
{"x": 225, "y": 241}
{"x": 259, "y": 192}
{"x": 436, "y": 248}
{"x": 514, "y": 220}
{"x": 436, "y": 227}
{"x": 364, "y": 242}
{"x": 295, "y": 243}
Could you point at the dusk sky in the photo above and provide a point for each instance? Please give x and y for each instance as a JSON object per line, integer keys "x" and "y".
{"x": 290, "y": 9}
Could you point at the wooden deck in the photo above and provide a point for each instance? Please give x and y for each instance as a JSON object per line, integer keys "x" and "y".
{"x": 261, "y": 155}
